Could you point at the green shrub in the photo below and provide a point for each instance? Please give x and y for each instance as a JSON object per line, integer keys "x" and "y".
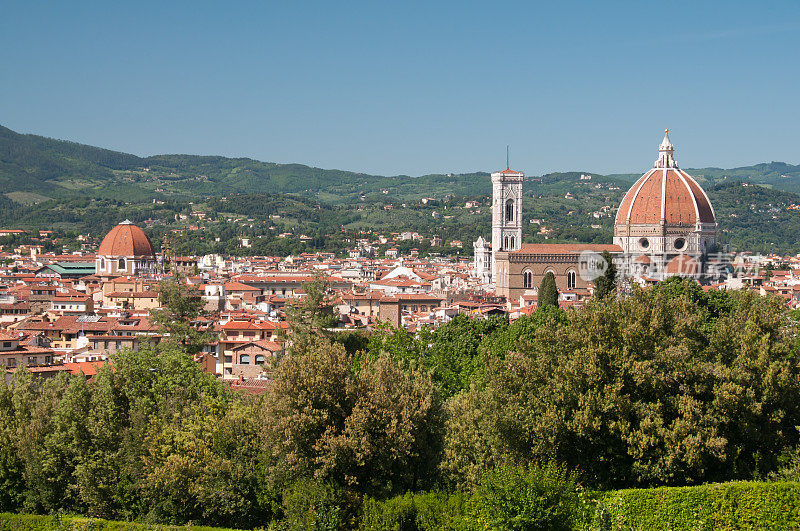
{"x": 59, "y": 522}
{"x": 739, "y": 505}
{"x": 527, "y": 498}
{"x": 312, "y": 505}
{"x": 424, "y": 511}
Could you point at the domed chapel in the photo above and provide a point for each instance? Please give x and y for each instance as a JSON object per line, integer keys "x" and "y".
{"x": 126, "y": 250}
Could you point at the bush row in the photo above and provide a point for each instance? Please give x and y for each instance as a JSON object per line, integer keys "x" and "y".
{"x": 721, "y": 506}
{"x": 58, "y": 522}
{"x": 512, "y": 499}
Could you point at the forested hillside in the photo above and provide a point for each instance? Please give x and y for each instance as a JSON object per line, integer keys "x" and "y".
{"x": 76, "y": 188}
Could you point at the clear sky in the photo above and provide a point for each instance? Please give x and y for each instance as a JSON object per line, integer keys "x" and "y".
{"x": 411, "y": 87}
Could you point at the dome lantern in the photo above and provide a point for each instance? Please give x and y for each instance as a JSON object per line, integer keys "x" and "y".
{"x": 665, "y": 153}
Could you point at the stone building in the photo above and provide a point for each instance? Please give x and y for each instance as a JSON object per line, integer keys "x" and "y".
{"x": 520, "y": 272}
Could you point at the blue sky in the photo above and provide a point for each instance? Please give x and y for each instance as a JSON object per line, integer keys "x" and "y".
{"x": 411, "y": 87}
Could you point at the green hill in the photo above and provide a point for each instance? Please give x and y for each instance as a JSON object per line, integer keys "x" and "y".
{"x": 50, "y": 183}
{"x": 34, "y": 168}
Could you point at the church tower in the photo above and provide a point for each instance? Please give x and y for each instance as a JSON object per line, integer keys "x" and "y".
{"x": 506, "y": 212}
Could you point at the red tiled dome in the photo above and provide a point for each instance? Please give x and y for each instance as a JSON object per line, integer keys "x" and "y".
{"x": 126, "y": 239}
{"x": 685, "y": 201}
{"x": 665, "y": 193}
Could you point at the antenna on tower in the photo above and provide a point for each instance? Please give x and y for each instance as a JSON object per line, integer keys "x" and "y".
{"x": 507, "y": 165}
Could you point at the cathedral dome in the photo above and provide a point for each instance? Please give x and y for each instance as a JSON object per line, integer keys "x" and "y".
{"x": 128, "y": 240}
{"x": 665, "y": 194}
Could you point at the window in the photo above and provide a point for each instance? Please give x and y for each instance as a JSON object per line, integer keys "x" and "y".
{"x": 510, "y": 210}
{"x": 571, "y": 279}
{"x": 644, "y": 243}
{"x": 244, "y": 359}
{"x": 259, "y": 359}
{"x": 527, "y": 279}
{"x": 121, "y": 263}
{"x": 6, "y": 344}
{"x": 102, "y": 264}
{"x": 228, "y": 359}
{"x": 31, "y": 360}
{"x": 511, "y": 241}
{"x": 11, "y": 362}
{"x": 680, "y": 244}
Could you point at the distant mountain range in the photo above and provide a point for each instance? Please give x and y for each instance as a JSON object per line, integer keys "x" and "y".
{"x": 35, "y": 168}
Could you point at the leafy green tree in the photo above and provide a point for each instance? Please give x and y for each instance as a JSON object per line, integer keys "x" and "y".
{"x": 451, "y": 352}
{"x": 606, "y": 284}
{"x": 181, "y": 306}
{"x": 548, "y": 292}
{"x": 653, "y": 389}
{"x": 204, "y": 467}
{"x": 12, "y": 483}
{"x": 375, "y": 429}
{"x": 312, "y": 315}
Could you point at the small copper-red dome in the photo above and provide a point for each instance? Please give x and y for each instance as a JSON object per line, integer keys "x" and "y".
{"x": 126, "y": 239}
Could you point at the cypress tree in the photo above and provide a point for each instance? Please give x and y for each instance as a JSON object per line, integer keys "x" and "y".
{"x": 548, "y": 292}
{"x": 606, "y": 284}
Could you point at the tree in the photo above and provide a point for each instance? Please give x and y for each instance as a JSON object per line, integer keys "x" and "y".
{"x": 606, "y": 284}
{"x": 654, "y": 389}
{"x": 181, "y": 306}
{"x": 548, "y": 292}
{"x": 312, "y": 315}
{"x": 375, "y": 429}
{"x": 12, "y": 484}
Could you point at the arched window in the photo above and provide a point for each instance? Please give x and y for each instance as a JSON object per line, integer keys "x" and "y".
{"x": 527, "y": 279}
{"x": 259, "y": 359}
{"x": 102, "y": 264}
{"x": 511, "y": 242}
{"x": 510, "y": 210}
{"x": 571, "y": 279}
{"x": 121, "y": 264}
{"x": 244, "y": 359}
{"x": 505, "y": 242}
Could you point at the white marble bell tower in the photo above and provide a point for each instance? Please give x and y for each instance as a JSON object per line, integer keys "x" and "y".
{"x": 506, "y": 213}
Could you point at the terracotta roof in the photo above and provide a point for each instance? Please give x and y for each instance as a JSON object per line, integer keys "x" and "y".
{"x": 683, "y": 264}
{"x": 250, "y": 325}
{"x": 238, "y": 286}
{"x": 88, "y": 368}
{"x": 562, "y": 248}
{"x": 126, "y": 239}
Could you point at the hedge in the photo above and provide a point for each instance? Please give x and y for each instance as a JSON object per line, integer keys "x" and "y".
{"x": 719, "y": 506}
{"x": 32, "y": 522}
{"x": 736, "y": 505}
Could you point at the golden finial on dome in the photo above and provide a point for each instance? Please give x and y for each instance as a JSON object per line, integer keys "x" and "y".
{"x": 666, "y": 131}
